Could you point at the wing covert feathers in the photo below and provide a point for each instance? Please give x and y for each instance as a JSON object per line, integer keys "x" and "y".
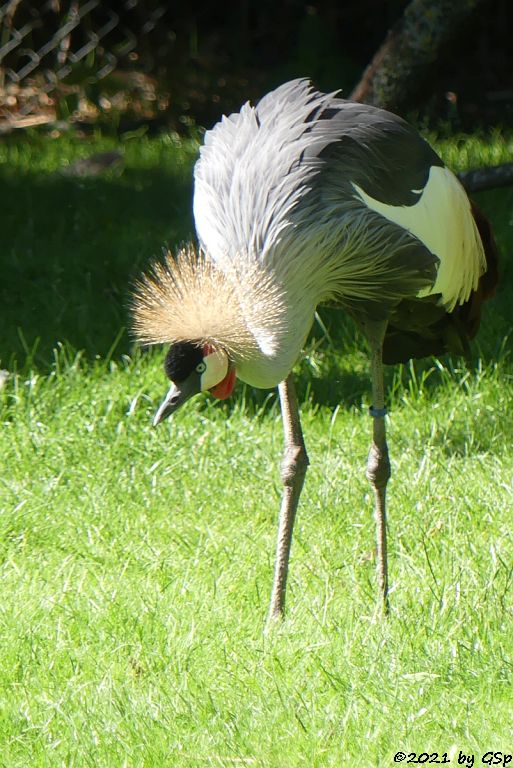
{"x": 421, "y": 327}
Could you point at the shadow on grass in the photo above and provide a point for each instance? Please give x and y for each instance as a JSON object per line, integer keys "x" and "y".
{"x": 71, "y": 247}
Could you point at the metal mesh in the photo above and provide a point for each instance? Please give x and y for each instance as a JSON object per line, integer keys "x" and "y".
{"x": 51, "y": 50}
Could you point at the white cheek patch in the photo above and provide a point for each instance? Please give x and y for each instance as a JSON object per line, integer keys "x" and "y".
{"x": 216, "y": 370}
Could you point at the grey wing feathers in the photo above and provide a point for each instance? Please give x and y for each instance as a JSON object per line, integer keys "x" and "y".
{"x": 376, "y": 150}
{"x": 293, "y": 158}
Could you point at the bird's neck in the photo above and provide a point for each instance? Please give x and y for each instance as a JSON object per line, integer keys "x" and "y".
{"x": 279, "y": 339}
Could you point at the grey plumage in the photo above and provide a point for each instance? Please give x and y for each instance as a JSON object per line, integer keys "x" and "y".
{"x": 302, "y": 200}
{"x": 277, "y": 184}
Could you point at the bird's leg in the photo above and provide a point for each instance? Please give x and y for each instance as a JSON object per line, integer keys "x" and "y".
{"x": 378, "y": 464}
{"x": 293, "y": 471}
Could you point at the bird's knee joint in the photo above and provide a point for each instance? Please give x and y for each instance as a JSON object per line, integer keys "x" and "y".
{"x": 378, "y": 466}
{"x": 295, "y": 462}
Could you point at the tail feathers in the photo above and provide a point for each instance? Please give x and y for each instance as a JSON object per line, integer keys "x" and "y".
{"x": 421, "y": 327}
{"x": 470, "y": 312}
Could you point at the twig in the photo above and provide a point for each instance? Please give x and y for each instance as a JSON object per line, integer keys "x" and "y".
{"x": 479, "y": 179}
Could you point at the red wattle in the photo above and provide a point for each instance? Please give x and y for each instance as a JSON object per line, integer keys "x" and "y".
{"x": 225, "y": 387}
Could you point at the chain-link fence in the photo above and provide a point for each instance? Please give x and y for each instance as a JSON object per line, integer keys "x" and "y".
{"x": 176, "y": 64}
{"x": 75, "y": 58}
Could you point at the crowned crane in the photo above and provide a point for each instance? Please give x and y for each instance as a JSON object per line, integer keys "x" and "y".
{"x": 302, "y": 200}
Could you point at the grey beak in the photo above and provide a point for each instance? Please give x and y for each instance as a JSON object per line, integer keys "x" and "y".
{"x": 176, "y": 397}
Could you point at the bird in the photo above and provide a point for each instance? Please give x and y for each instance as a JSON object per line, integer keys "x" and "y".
{"x": 301, "y": 200}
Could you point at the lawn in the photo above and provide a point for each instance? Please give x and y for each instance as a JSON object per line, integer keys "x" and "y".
{"x": 136, "y": 563}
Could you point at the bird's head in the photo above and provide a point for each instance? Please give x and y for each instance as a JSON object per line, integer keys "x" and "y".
{"x": 194, "y": 368}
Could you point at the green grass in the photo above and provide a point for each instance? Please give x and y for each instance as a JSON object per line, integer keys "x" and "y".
{"x": 136, "y": 563}
{"x": 71, "y": 246}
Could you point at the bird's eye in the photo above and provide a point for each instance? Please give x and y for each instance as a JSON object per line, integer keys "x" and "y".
{"x": 201, "y": 367}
